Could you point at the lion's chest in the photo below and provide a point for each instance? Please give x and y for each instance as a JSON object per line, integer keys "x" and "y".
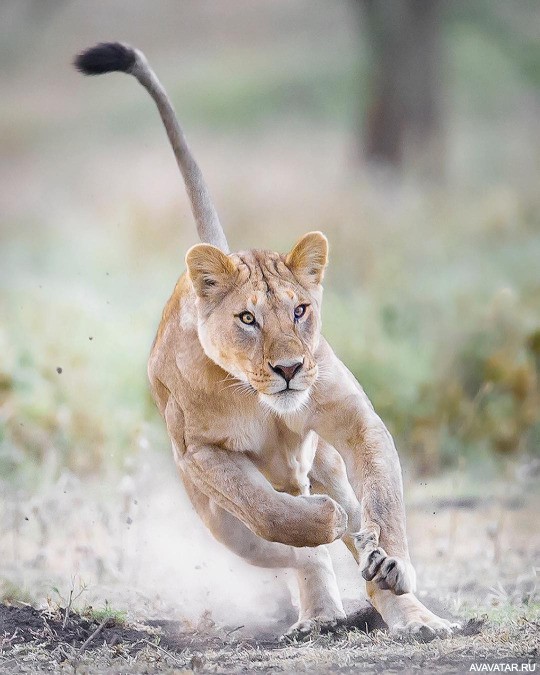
{"x": 283, "y": 455}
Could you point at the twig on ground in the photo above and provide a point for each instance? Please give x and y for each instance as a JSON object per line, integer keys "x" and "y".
{"x": 166, "y": 652}
{"x": 6, "y": 639}
{"x": 233, "y": 630}
{"x": 68, "y": 607}
{"x": 72, "y": 598}
{"x": 48, "y": 629}
{"x": 94, "y": 635}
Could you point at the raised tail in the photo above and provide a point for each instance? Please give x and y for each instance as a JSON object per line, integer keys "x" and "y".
{"x": 114, "y": 56}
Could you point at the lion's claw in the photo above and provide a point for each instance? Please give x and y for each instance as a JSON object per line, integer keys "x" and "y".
{"x": 393, "y": 575}
{"x": 389, "y": 573}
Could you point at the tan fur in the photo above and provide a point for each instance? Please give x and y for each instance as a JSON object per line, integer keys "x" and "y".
{"x": 278, "y": 446}
{"x": 273, "y": 471}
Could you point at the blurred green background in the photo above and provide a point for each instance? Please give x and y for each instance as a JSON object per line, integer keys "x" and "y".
{"x": 433, "y": 290}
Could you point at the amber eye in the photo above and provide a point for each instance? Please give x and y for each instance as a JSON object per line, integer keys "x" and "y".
{"x": 300, "y": 311}
{"x": 247, "y": 318}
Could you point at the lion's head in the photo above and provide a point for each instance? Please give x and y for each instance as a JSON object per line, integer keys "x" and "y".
{"x": 259, "y": 316}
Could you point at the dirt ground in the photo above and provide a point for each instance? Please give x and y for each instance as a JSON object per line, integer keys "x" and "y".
{"x": 476, "y": 558}
{"x": 36, "y": 640}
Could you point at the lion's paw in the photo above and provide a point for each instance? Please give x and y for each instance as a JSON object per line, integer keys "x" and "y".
{"x": 389, "y": 573}
{"x": 425, "y": 628}
{"x": 306, "y": 629}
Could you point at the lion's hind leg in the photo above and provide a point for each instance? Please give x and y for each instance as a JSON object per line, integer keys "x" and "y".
{"x": 320, "y": 603}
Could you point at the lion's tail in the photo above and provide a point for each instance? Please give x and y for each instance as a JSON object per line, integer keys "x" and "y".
{"x": 110, "y": 56}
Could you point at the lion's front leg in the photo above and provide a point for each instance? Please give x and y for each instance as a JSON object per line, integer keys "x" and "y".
{"x": 376, "y": 519}
{"x": 381, "y": 543}
{"x": 345, "y": 418}
{"x": 235, "y": 484}
{"x": 406, "y": 616}
{"x": 329, "y": 476}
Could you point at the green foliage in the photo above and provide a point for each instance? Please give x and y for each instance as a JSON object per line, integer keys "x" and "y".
{"x": 13, "y": 594}
{"x": 504, "y": 612}
{"x": 508, "y": 28}
{"x": 117, "y": 615}
{"x": 452, "y": 367}
{"x": 486, "y": 393}
{"x": 432, "y": 297}
{"x": 67, "y": 403}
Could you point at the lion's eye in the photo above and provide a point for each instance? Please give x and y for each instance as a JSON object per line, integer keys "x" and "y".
{"x": 247, "y": 318}
{"x": 300, "y": 311}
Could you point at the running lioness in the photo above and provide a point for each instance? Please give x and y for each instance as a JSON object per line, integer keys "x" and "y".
{"x": 277, "y": 445}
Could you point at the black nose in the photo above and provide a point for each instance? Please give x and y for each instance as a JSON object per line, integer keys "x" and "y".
{"x": 287, "y": 372}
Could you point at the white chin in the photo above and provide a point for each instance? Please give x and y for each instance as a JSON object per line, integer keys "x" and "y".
{"x": 289, "y": 401}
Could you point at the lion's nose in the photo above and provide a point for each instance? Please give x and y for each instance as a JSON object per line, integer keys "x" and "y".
{"x": 287, "y": 371}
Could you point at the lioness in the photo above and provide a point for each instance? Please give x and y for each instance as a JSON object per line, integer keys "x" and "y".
{"x": 278, "y": 446}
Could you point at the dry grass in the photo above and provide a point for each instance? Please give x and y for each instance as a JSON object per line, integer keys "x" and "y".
{"x": 218, "y": 652}
{"x": 476, "y": 556}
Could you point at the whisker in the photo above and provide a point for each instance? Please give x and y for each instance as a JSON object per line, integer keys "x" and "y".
{"x": 242, "y": 388}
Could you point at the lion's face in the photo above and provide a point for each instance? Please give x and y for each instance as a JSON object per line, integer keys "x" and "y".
{"x": 259, "y": 317}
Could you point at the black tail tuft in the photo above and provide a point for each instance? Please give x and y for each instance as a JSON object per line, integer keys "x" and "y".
{"x": 105, "y": 58}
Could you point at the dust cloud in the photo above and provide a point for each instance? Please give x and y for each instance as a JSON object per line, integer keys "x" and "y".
{"x": 133, "y": 541}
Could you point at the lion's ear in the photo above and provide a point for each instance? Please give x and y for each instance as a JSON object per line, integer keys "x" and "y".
{"x": 309, "y": 257}
{"x": 209, "y": 269}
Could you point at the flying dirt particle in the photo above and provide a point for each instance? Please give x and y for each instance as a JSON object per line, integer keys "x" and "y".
{"x": 90, "y": 338}
{"x": 59, "y": 370}
{"x": 129, "y": 520}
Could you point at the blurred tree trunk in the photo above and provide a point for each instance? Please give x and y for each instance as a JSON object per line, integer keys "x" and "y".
{"x": 403, "y": 120}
